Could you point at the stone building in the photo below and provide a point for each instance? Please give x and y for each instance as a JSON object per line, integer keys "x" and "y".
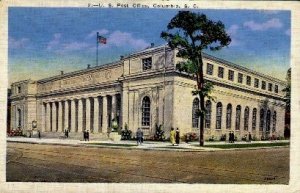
{"x": 144, "y": 89}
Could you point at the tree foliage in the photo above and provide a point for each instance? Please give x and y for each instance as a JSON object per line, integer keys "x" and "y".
{"x": 191, "y": 33}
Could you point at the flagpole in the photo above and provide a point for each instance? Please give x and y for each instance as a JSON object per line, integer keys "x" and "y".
{"x": 97, "y": 49}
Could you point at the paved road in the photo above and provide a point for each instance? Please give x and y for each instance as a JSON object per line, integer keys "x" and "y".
{"x": 57, "y": 163}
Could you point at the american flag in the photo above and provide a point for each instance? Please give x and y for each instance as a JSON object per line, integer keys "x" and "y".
{"x": 101, "y": 40}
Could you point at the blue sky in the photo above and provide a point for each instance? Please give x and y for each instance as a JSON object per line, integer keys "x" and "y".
{"x": 44, "y": 41}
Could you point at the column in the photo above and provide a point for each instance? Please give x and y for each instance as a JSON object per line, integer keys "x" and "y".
{"x": 60, "y": 116}
{"x": 104, "y": 114}
{"x": 12, "y": 117}
{"x": 53, "y": 117}
{"x": 66, "y": 115}
{"x": 48, "y": 117}
{"x": 43, "y": 123}
{"x": 88, "y": 114}
{"x": 113, "y": 106}
{"x": 80, "y": 115}
{"x": 73, "y": 116}
{"x": 96, "y": 115}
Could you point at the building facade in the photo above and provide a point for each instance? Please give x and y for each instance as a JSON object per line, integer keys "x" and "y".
{"x": 143, "y": 90}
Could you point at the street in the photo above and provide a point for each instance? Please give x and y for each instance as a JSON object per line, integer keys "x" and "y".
{"x": 60, "y": 163}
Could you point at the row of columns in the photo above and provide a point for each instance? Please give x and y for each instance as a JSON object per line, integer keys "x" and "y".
{"x": 76, "y": 115}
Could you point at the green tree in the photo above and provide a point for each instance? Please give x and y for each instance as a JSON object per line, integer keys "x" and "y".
{"x": 191, "y": 33}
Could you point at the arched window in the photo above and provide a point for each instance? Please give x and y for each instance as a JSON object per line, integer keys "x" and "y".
{"x": 219, "y": 116}
{"x": 246, "y": 119}
{"x": 238, "y": 118}
{"x": 254, "y": 112}
{"x": 228, "y": 116}
{"x": 207, "y": 114}
{"x": 261, "y": 119}
{"x": 268, "y": 121}
{"x": 195, "y": 115}
{"x": 274, "y": 122}
{"x": 146, "y": 104}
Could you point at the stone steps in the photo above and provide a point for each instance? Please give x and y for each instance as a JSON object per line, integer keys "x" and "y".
{"x": 78, "y": 136}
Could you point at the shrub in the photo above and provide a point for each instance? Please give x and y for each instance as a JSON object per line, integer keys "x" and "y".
{"x": 223, "y": 137}
{"x": 244, "y": 138}
{"x": 126, "y": 133}
{"x": 211, "y": 138}
{"x": 159, "y": 133}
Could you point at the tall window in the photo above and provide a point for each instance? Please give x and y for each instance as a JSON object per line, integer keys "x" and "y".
{"x": 276, "y": 88}
{"x": 270, "y": 87}
{"x": 246, "y": 119}
{"x": 219, "y": 116}
{"x": 263, "y": 85}
{"x": 146, "y": 103}
{"x": 238, "y": 118}
{"x": 261, "y": 119}
{"x": 240, "y": 78}
{"x": 248, "y": 80}
{"x": 254, "y": 112}
{"x": 256, "y": 83}
{"x": 19, "y": 118}
{"x": 221, "y": 72}
{"x": 274, "y": 122}
{"x": 231, "y": 75}
{"x": 19, "y": 89}
{"x": 147, "y": 63}
{"x": 207, "y": 114}
{"x": 209, "y": 69}
{"x": 268, "y": 121}
{"x": 195, "y": 115}
{"x": 228, "y": 116}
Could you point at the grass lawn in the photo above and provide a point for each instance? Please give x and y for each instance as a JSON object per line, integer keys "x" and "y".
{"x": 113, "y": 144}
{"x": 228, "y": 146}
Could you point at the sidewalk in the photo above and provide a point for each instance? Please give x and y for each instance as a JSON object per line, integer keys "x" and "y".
{"x": 147, "y": 145}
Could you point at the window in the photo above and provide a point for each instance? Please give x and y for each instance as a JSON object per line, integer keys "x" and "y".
{"x": 231, "y": 75}
{"x": 238, "y": 118}
{"x": 276, "y": 88}
{"x": 270, "y": 87}
{"x": 147, "y": 63}
{"x": 274, "y": 122}
{"x": 263, "y": 85}
{"x": 261, "y": 120}
{"x": 195, "y": 113}
{"x": 228, "y": 116}
{"x": 210, "y": 69}
{"x": 221, "y": 72}
{"x": 240, "y": 78}
{"x": 254, "y": 112}
{"x": 19, "y": 89}
{"x": 146, "y": 111}
{"x": 268, "y": 121}
{"x": 219, "y": 116}
{"x": 246, "y": 119}
{"x": 248, "y": 81}
{"x": 208, "y": 114}
{"x": 256, "y": 83}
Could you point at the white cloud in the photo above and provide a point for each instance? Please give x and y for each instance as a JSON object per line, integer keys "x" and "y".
{"x": 93, "y": 33}
{"x": 54, "y": 42}
{"x": 73, "y": 46}
{"x": 288, "y": 32}
{"x": 232, "y": 31}
{"x": 120, "y": 39}
{"x": 20, "y": 43}
{"x": 272, "y": 23}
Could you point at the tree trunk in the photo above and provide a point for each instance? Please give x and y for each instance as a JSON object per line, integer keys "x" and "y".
{"x": 200, "y": 84}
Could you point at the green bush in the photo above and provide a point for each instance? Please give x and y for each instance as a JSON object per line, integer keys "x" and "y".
{"x": 159, "y": 133}
{"x": 126, "y": 133}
